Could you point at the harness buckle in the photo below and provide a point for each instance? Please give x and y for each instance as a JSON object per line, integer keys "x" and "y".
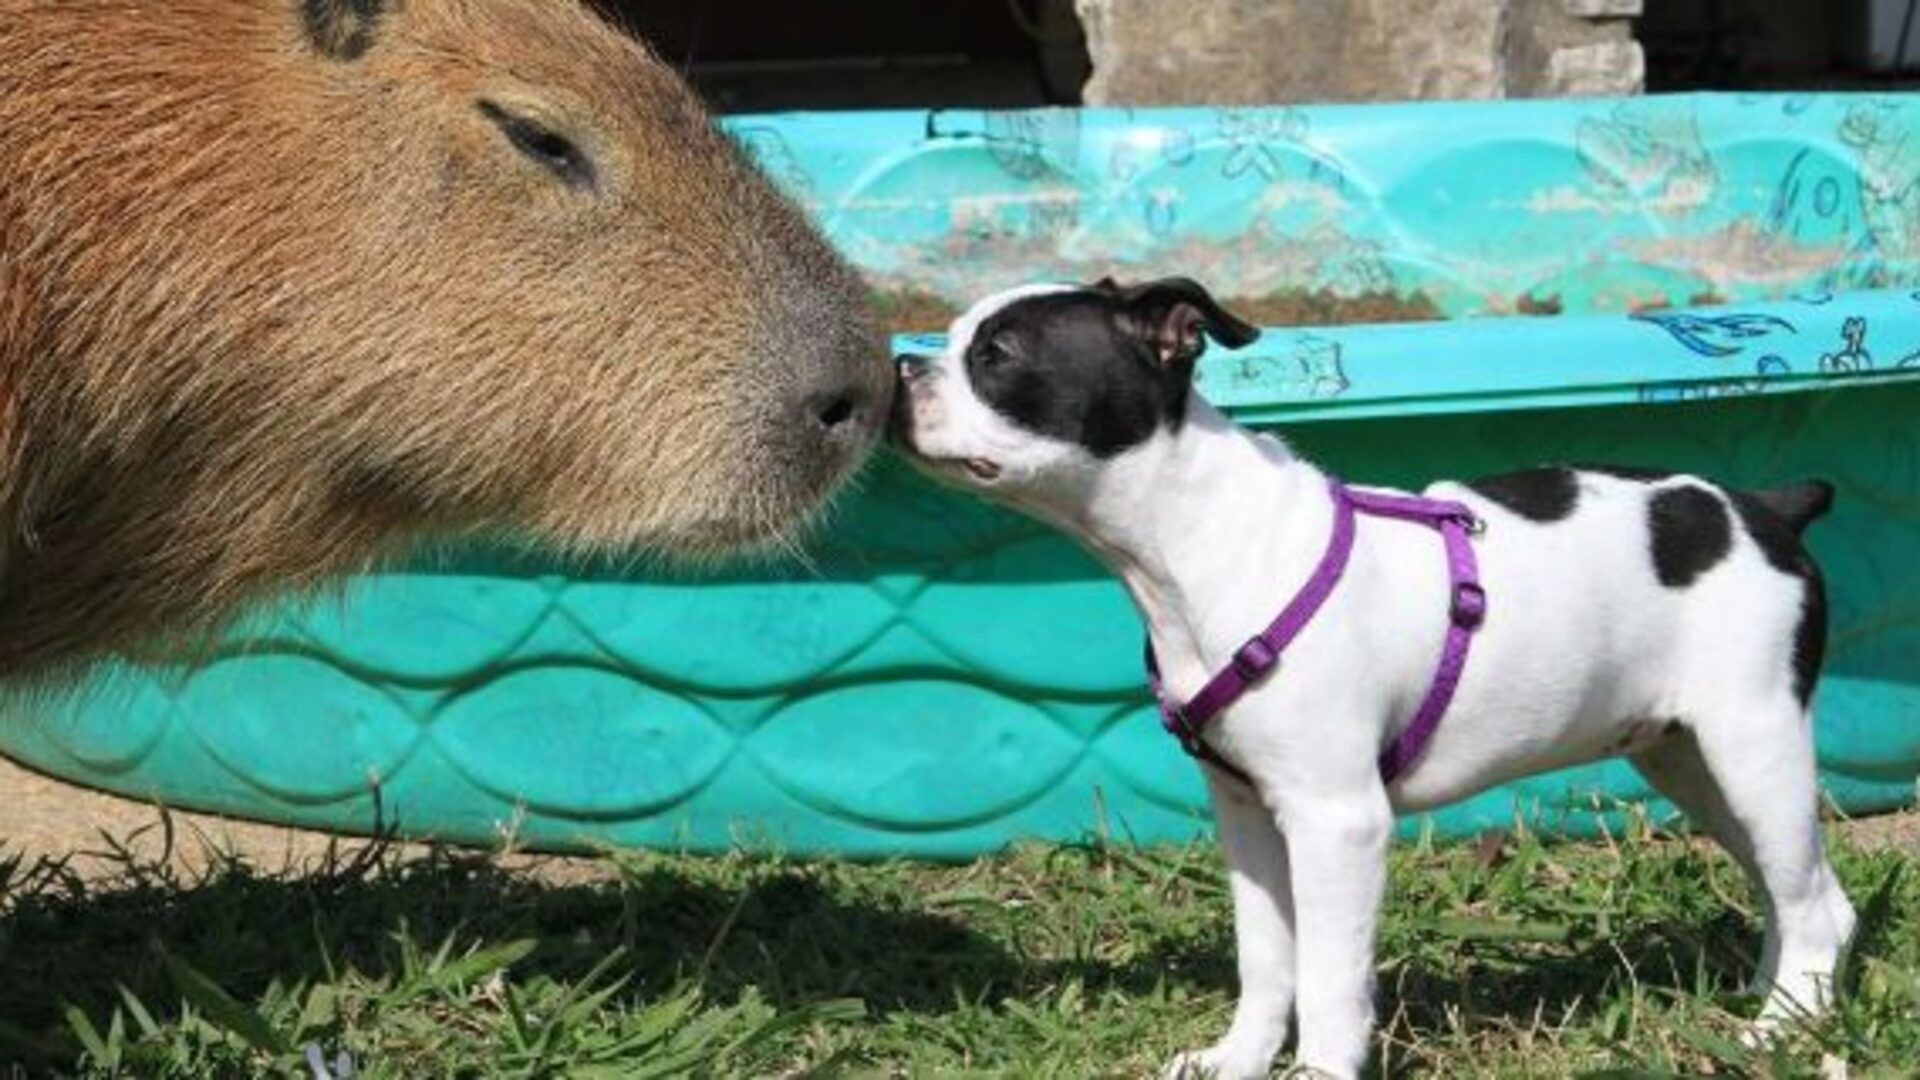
{"x": 1254, "y": 659}
{"x": 1469, "y": 605}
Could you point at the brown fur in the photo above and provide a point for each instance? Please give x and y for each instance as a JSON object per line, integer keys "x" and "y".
{"x": 276, "y": 297}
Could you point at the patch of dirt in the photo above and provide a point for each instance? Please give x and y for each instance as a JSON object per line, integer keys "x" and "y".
{"x": 913, "y": 311}
{"x": 1896, "y": 832}
{"x": 1323, "y": 307}
{"x": 910, "y": 311}
{"x": 44, "y": 817}
{"x": 1661, "y": 303}
{"x": 1530, "y": 304}
{"x": 917, "y": 311}
{"x": 41, "y": 816}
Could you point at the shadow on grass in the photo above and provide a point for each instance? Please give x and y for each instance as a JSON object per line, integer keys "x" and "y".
{"x": 1549, "y": 939}
{"x": 1709, "y": 954}
{"x": 792, "y": 933}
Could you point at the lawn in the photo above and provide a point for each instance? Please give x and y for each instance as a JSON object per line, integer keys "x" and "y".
{"x": 1510, "y": 957}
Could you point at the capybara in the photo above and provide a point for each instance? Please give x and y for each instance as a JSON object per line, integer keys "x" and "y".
{"x": 285, "y": 286}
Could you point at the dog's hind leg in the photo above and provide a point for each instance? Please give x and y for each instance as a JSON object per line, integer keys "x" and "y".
{"x": 1263, "y": 933}
{"x": 1748, "y": 777}
{"x": 1676, "y": 770}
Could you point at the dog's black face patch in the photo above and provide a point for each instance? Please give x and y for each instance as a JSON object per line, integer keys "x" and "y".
{"x": 1065, "y": 366}
{"x": 1542, "y": 495}
{"x": 1691, "y": 533}
{"x": 1780, "y": 543}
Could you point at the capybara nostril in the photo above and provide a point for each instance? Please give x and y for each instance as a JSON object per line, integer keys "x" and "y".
{"x": 837, "y": 410}
{"x": 842, "y": 413}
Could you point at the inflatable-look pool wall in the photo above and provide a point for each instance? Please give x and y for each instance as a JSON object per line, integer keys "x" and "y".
{"x": 948, "y": 677}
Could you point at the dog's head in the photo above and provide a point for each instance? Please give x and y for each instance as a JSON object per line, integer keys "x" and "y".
{"x": 1043, "y": 384}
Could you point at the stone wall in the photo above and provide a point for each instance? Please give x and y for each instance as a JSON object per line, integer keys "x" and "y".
{"x": 1255, "y": 51}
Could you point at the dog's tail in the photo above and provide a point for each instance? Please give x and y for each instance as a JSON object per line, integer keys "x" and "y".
{"x": 1799, "y": 505}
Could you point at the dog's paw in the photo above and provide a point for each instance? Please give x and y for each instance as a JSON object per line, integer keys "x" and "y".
{"x": 1192, "y": 1065}
{"x": 1214, "y": 1063}
{"x": 1763, "y": 1031}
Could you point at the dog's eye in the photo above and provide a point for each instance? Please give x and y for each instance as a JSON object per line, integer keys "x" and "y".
{"x": 544, "y": 146}
{"x": 1000, "y": 348}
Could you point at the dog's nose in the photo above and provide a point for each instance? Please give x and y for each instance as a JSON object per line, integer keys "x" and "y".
{"x": 911, "y": 365}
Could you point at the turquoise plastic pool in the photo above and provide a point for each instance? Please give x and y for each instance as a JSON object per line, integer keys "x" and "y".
{"x": 948, "y": 677}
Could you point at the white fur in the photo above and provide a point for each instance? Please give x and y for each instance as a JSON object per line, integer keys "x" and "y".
{"x": 1583, "y": 655}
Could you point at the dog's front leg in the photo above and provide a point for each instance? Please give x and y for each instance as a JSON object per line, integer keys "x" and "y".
{"x": 1263, "y": 937}
{"x": 1337, "y": 845}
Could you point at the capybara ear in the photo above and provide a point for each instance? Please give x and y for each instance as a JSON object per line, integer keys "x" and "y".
{"x": 342, "y": 29}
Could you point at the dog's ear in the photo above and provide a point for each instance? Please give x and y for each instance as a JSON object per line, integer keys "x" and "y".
{"x": 1175, "y": 316}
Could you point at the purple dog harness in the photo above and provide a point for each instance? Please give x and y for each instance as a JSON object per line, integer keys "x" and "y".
{"x": 1457, "y": 526}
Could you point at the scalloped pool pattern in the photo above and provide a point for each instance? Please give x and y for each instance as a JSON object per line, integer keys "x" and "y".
{"x": 949, "y": 677}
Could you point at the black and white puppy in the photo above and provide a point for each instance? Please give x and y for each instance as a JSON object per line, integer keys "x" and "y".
{"x": 1635, "y": 613}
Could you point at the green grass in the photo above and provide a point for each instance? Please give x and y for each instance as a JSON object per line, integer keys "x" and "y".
{"x": 1518, "y": 959}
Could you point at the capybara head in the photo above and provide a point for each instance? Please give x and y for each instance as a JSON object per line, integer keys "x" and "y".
{"x": 284, "y": 283}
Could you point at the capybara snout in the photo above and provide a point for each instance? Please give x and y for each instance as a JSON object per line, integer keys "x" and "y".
{"x": 286, "y": 282}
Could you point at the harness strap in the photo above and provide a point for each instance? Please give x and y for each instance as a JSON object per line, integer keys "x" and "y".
{"x": 1262, "y": 651}
{"x": 1467, "y": 610}
{"x": 1261, "y": 654}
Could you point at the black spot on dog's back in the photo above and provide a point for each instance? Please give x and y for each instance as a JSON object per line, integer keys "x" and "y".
{"x": 1691, "y": 533}
{"x": 1542, "y": 495}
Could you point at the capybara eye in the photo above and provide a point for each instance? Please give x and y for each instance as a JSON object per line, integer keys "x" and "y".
{"x": 548, "y": 148}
